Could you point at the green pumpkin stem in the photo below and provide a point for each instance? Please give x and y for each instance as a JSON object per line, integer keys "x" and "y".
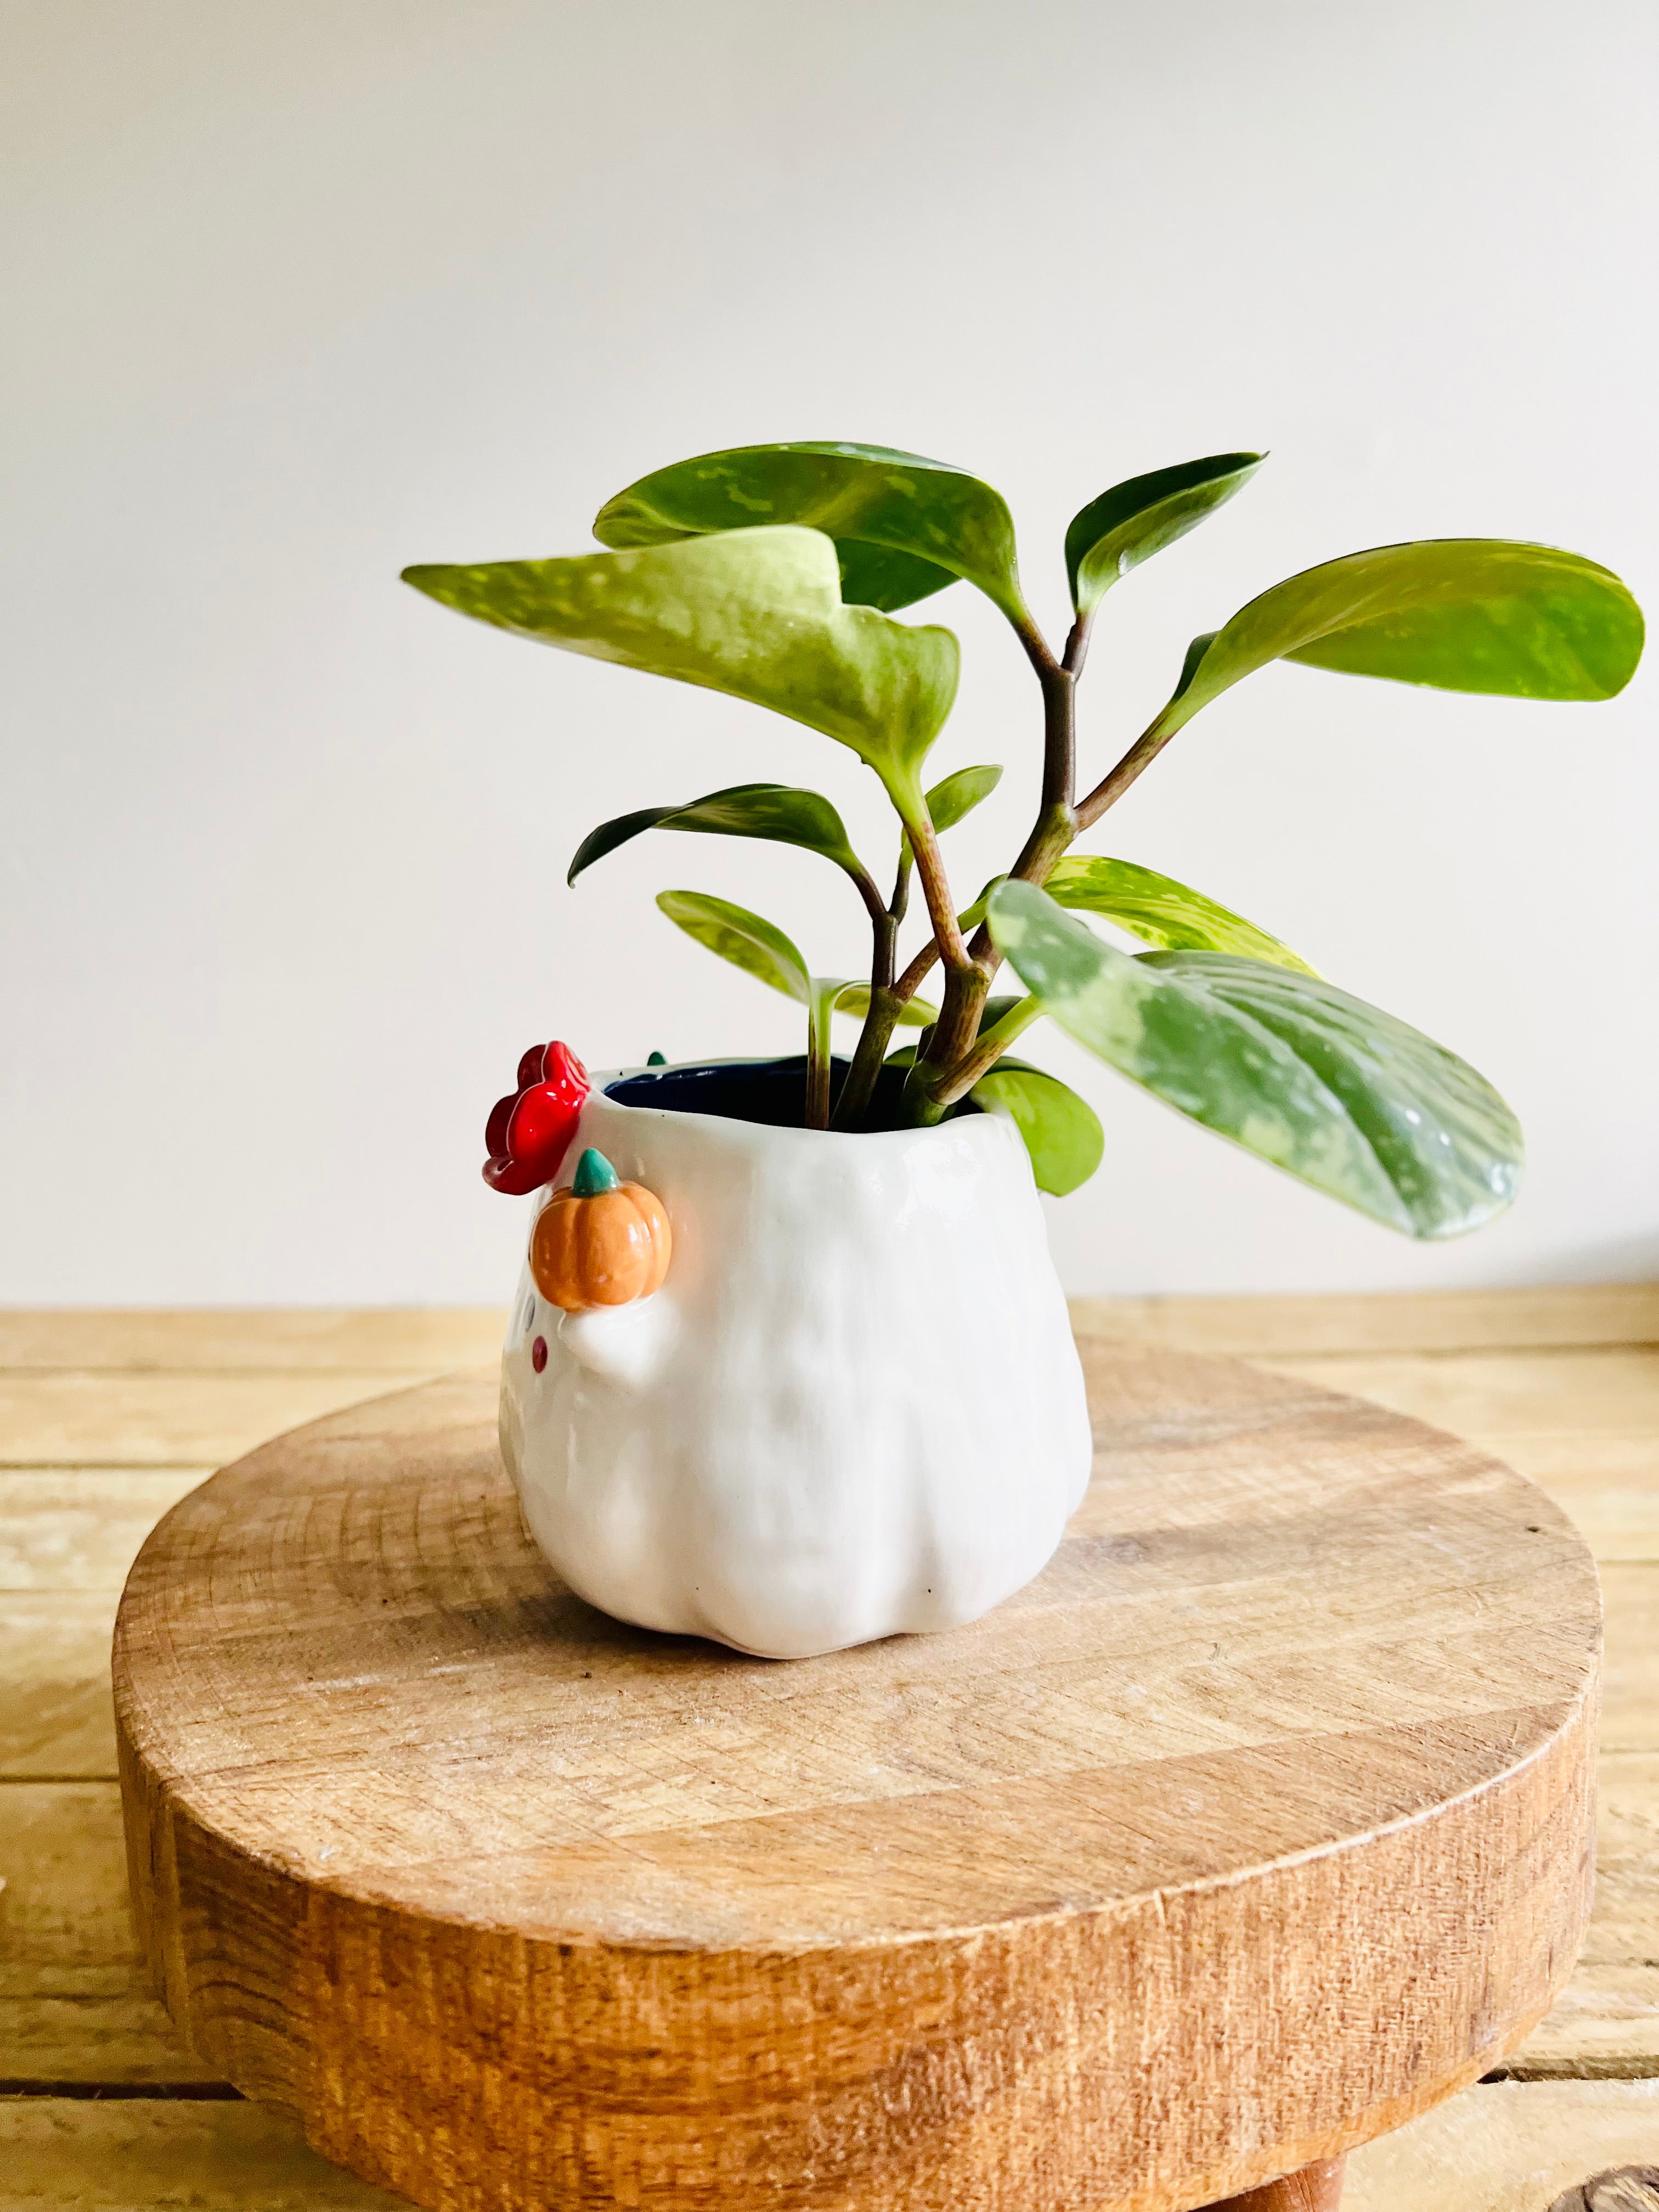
{"x": 594, "y": 1173}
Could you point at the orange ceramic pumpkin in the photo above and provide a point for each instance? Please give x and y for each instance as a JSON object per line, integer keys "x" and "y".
{"x": 599, "y": 1242}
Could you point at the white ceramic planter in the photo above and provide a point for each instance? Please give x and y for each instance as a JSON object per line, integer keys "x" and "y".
{"x": 854, "y": 1409}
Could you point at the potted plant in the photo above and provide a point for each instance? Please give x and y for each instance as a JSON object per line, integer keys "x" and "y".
{"x": 789, "y": 1366}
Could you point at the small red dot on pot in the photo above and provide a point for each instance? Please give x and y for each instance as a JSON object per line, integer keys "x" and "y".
{"x": 538, "y": 1354}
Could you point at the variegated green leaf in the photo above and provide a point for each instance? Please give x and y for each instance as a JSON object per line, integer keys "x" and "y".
{"x": 1160, "y": 911}
{"x": 959, "y": 795}
{"x": 1334, "y": 1091}
{"x": 1156, "y": 908}
{"x": 1062, "y": 1131}
{"x": 749, "y": 941}
{"x": 953, "y": 797}
{"x": 904, "y": 527}
{"x": 1463, "y": 614}
{"x": 775, "y": 811}
{"x": 755, "y": 613}
{"x": 855, "y": 999}
{"x": 1128, "y": 524}
{"x": 746, "y": 940}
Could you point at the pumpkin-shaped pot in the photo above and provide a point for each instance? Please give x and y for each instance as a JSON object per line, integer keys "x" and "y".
{"x": 599, "y": 1242}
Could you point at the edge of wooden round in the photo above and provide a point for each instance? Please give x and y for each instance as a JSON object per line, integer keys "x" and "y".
{"x": 1317, "y": 2188}
{"x": 1261, "y": 1823}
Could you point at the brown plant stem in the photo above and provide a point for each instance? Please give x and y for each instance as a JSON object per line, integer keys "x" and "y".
{"x": 954, "y": 1033}
{"x": 965, "y": 983}
{"x": 987, "y": 1048}
{"x": 857, "y": 1090}
{"x": 863, "y": 1075}
{"x": 954, "y": 1059}
{"x": 881, "y": 917}
{"x": 917, "y": 974}
{"x": 1059, "y": 717}
{"x": 936, "y": 890}
{"x": 881, "y": 1014}
{"x": 878, "y": 1029}
{"x": 1113, "y": 785}
{"x": 938, "y": 1078}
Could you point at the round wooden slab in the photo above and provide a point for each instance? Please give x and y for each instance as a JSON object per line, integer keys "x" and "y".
{"x": 1259, "y": 1823}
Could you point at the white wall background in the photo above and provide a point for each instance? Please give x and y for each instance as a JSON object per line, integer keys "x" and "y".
{"x": 301, "y": 290}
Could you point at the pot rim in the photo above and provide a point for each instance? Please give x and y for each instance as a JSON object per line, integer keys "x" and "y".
{"x": 957, "y": 1125}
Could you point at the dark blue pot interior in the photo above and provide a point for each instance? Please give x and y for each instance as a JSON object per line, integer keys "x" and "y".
{"x": 769, "y": 1091}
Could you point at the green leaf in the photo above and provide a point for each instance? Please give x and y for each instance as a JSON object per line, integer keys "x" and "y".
{"x": 959, "y": 794}
{"x": 1463, "y": 614}
{"x": 1062, "y": 1131}
{"x": 746, "y": 939}
{"x": 1156, "y": 908}
{"x": 904, "y": 527}
{"x": 1160, "y": 911}
{"x": 915, "y": 1014}
{"x": 971, "y": 916}
{"x": 949, "y": 800}
{"x": 1128, "y": 524}
{"x": 1333, "y": 1090}
{"x": 749, "y": 941}
{"x": 755, "y": 613}
{"x": 823, "y": 991}
{"x": 775, "y": 811}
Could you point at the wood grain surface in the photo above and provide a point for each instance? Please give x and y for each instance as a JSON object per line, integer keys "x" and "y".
{"x": 1257, "y": 1825}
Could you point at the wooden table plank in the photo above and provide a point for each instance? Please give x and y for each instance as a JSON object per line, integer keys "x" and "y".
{"x": 56, "y": 1716}
{"x": 75, "y": 2000}
{"x": 1597, "y": 1313}
{"x": 1609, "y": 1484}
{"x": 1509, "y": 2148}
{"x": 144, "y": 2155}
{"x": 1497, "y": 1395}
{"x": 69, "y": 1932}
{"x": 1629, "y": 1707}
{"x": 427, "y": 1339}
{"x": 1606, "y": 2021}
{"x": 100, "y": 2045}
{"x": 1603, "y": 2027}
{"x": 423, "y": 1339}
{"x": 80, "y": 1528}
{"x": 77, "y": 1418}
